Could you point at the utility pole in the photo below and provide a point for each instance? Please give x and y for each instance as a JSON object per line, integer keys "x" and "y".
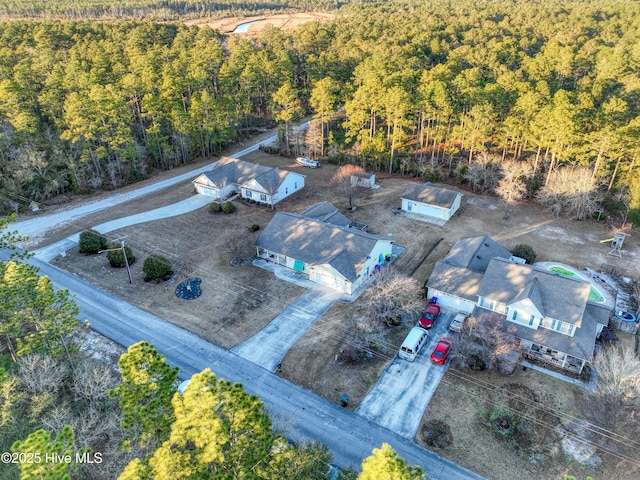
{"x": 124, "y": 255}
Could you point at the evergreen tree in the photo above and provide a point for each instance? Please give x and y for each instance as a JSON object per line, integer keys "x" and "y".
{"x": 50, "y": 460}
{"x": 385, "y": 464}
{"x": 148, "y": 384}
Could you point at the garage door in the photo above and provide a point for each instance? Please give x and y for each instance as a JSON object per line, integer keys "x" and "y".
{"x": 449, "y": 301}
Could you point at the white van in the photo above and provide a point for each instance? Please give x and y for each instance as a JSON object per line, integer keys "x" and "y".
{"x": 416, "y": 338}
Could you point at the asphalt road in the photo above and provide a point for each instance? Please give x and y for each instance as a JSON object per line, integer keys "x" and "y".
{"x": 350, "y": 437}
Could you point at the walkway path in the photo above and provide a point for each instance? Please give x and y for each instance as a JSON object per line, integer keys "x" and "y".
{"x": 194, "y": 202}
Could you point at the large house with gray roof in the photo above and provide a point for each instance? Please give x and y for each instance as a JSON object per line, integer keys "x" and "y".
{"x": 256, "y": 182}
{"x": 549, "y": 315}
{"x": 320, "y": 244}
{"x": 431, "y": 201}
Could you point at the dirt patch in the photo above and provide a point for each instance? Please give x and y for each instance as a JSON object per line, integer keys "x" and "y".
{"x": 284, "y": 21}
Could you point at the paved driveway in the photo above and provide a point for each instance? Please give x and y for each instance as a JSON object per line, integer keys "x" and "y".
{"x": 268, "y": 347}
{"x": 194, "y": 202}
{"x": 404, "y": 390}
{"x": 41, "y": 223}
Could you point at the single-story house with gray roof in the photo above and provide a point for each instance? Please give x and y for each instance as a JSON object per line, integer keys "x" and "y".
{"x": 549, "y": 315}
{"x": 257, "y": 182}
{"x": 332, "y": 255}
{"x": 427, "y": 199}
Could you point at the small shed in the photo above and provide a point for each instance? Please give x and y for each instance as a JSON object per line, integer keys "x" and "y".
{"x": 430, "y": 200}
{"x": 366, "y": 180}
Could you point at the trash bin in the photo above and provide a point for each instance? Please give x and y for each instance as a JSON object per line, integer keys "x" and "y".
{"x": 344, "y": 400}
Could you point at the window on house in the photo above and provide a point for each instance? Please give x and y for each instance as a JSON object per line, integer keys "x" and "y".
{"x": 248, "y": 193}
{"x": 286, "y": 190}
{"x": 515, "y": 315}
{"x": 565, "y": 328}
{"x": 486, "y": 303}
{"x": 295, "y": 185}
{"x": 532, "y": 319}
{"x": 263, "y": 197}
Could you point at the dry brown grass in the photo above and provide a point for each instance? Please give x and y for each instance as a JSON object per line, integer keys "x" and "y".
{"x": 238, "y": 301}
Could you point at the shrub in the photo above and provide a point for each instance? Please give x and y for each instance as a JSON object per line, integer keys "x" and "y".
{"x": 524, "y": 251}
{"x": 92, "y": 242}
{"x": 115, "y": 257}
{"x": 156, "y": 267}
{"x": 437, "y": 433}
{"x": 460, "y": 172}
{"x": 228, "y": 207}
{"x": 214, "y": 207}
{"x": 430, "y": 176}
{"x": 254, "y": 228}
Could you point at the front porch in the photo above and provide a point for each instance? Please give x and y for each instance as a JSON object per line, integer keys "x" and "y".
{"x": 540, "y": 353}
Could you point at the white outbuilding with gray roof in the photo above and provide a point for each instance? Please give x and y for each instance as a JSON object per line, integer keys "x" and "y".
{"x": 430, "y": 200}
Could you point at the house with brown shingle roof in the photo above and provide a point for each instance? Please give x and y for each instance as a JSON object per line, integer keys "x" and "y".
{"x": 331, "y": 254}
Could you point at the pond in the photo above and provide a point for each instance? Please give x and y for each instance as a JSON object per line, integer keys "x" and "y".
{"x": 243, "y": 27}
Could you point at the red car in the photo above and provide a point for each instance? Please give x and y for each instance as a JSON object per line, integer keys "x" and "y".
{"x": 429, "y": 316}
{"x": 442, "y": 350}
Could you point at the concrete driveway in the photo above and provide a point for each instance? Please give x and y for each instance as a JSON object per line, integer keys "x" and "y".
{"x": 399, "y": 398}
{"x": 269, "y": 345}
{"x": 38, "y": 225}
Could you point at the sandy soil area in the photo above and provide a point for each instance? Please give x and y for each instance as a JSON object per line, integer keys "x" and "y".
{"x": 284, "y": 21}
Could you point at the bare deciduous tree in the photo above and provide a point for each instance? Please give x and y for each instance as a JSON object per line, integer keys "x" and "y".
{"x": 41, "y": 373}
{"x": 486, "y": 342}
{"x": 484, "y": 172}
{"x": 93, "y": 381}
{"x": 572, "y": 191}
{"x": 345, "y": 183}
{"x": 393, "y": 297}
{"x": 314, "y": 139}
{"x": 618, "y": 374}
{"x": 238, "y": 244}
{"x": 512, "y": 186}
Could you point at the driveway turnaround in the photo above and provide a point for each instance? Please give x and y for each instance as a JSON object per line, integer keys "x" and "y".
{"x": 194, "y": 202}
{"x": 349, "y": 436}
{"x": 402, "y": 393}
{"x": 269, "y": 345}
